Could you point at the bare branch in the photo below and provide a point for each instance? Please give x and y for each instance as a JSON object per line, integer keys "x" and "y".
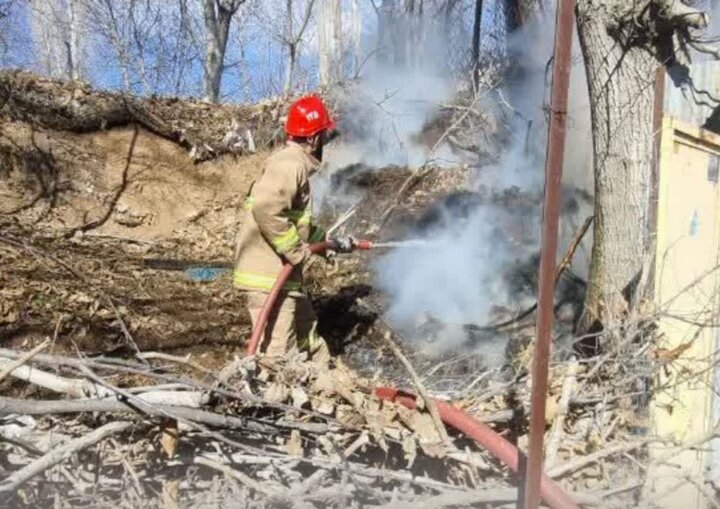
{"x": 60, "y": 454}
{"x": 707, "y": 49}
{"x": 305, "y": 21}
{"x": 683, "y": 15}
{"x": 22, "y": 360}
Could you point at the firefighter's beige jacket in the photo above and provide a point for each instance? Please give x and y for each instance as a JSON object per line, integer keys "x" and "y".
{"x": 278, "y": 221}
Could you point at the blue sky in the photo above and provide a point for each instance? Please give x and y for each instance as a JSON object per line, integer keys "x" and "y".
{"x": 255, "y": 59}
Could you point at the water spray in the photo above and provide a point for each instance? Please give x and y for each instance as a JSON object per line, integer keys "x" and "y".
{"x": 398, "y": 244}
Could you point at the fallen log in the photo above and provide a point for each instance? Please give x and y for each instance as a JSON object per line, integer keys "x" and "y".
{"x": 80, "y": 388}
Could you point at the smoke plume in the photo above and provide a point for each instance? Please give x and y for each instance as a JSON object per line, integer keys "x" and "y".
{"x": 476, "y": 241}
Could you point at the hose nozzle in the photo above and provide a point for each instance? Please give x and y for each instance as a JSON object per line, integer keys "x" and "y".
{"x": 363, "y": 245}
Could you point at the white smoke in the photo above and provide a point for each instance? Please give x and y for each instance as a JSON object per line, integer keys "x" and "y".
{"x": 402, "y": 83}
{"x": 459, "y": 277}
{"x": 384, "y": 111}
{"x": 456, "y": 279}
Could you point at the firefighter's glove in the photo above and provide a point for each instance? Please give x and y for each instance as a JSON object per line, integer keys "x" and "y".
{"x": 341, "y": 245}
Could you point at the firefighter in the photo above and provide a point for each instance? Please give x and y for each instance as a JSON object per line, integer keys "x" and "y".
{"x": 278, "y": 227}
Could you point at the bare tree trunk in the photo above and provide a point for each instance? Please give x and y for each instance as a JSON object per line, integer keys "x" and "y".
{"x": 337, "y": 41}
{"x": 323, "y": 44}
{"x": 213, "y": 52}
{"x": 477, "y": 25}
{"x": 385, "y": 12}
{"x": 139, "y": 40}
{"x": 185, "y": 39}
{"x": 450, "y": 6}
{"x": 413, "y": 30}
{"x": 514, "y": 18}
{"x": 291, "y": 40}
{"x": 620, "y": 84}
{"x": 217, "y": 15}
{"x": 330, "y": 41}
{"x": 74, "y": 59}
{"x": 48, "y": 31}
{"x": 291, "y": 50}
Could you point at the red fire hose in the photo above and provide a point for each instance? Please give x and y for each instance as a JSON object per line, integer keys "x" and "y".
{"x": 277, "y": 288}
{"x": 496, "y": 445}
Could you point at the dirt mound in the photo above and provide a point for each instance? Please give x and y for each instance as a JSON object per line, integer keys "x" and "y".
{"x": 81, "y": 211}
{"x": 123, "y": 182}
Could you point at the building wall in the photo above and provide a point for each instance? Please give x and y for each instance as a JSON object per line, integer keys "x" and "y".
{"x": 686, "y": 296}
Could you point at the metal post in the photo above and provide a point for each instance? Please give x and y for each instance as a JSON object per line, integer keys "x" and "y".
{"x": 562, "y": 63}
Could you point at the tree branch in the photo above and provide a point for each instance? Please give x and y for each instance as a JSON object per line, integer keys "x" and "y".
{"x": 681, "y": 15}
{"x": 10, "y": 367}
{"x": 305, "y": 21}
{"x": 707, "y": 49}
{"x": 60, "y": 454}
{"x": 116, "y": 406}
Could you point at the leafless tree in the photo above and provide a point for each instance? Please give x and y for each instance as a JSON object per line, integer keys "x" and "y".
{"x": 624, "y": 44}
{"x": 290, "y": 26}
{"x": 293, "y": 39}
{"x": 330, "y": 44}
{"x": 57, "y": 27}
{"x": 73, "y": 45}
{"x": 355, "y": 35}
{"x": 153, "y": 44}
{"x": 186, "y": 46}
{"x": 217, "y": 15}
{"x": 108, "y": 24}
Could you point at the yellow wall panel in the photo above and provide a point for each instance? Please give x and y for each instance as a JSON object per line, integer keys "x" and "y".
{"x": 686, "y": 295}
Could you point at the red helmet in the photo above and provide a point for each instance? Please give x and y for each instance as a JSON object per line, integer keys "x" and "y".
{"x": 307, "y": 117}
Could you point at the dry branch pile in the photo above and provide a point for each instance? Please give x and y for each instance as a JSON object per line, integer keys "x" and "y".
{"x": 206, "y": 130}
{"x": 287, "y": 433}
{"x": 275, "y": 433}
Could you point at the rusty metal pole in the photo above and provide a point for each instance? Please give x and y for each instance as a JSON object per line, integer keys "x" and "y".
{"x": 562, "y": 63}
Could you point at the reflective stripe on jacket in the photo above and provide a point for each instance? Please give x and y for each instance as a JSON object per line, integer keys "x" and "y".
{"x": 278, "y": 221}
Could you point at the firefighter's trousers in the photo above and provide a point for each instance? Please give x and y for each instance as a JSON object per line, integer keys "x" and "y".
{"x": 292, "y": 323}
